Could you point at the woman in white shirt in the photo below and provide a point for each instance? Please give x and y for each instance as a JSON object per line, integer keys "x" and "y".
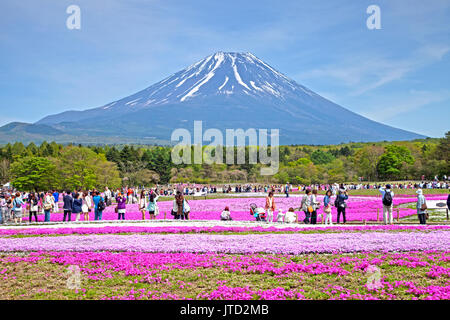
{"x": 86, "y": 207}
{"x": 48, "y": 205}
{"x": 143, "y": 203}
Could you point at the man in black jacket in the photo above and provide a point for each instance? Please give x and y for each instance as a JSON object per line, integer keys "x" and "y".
{"x": 448, "y": 202}
{"x": 68, "y": 203}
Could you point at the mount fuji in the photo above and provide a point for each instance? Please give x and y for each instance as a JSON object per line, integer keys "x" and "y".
{"x": 225, "y": 91}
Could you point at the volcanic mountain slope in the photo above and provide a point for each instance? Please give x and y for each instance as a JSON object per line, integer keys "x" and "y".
{"x": 225, "y": 91}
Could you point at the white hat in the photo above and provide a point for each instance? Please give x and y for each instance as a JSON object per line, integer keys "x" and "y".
{"x": 419, "y": 191}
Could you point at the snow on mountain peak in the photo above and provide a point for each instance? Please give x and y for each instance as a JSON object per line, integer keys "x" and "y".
{"x": 222, "y": 73}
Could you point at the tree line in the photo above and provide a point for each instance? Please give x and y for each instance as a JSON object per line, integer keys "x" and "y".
{"x": 56, "y": 166}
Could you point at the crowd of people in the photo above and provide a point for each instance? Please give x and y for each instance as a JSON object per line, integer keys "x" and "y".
{"x": 80, "y": 203}
{"x": 310, "y": 206}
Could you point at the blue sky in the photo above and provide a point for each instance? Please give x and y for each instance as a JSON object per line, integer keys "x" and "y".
{"x": 399, "y": 75}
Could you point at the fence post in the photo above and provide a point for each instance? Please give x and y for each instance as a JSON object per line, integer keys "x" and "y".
{"x": 165, "y": 215}
{"x": 378, "y": 214}
{"x": 398, "y": 215}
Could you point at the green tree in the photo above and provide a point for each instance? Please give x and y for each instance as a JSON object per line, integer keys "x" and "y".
{"x": 321, "y": 157}
{"x": 34, "y": 174}
{"x": 392, "y": 161}
{"x": 83, "y": 168}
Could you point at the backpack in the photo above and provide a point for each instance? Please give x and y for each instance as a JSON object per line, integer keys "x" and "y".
{"x": 387, "y": 199}
{"x": 101, "y": 205}
{"x": 18, "y": 205}
{"x": 336, "y": 202}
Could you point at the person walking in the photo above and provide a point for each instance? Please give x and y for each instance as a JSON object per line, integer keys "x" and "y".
{"x": 48, "y": 204}
{"x": 421, "y": 206}
{"x": 341, "y": 205}
{"x": 3, "y": 208}
{"x": 143, "y": 203}
{"x": 178, "y": 205}
{"x": 152, "y": 206}
{"x": 448, "y": 202}
{"x": 270, "y": 207}
{"x": 186, "y": 209}
{"x": 388, "y": 203}
{"x": 315, "y": 206}
{"x": 99, "y": 205}
{"x": 87, "y": 206}
{"x": 286, "y": 189}
{"x": 67, "y": 206}
{"x": 34, "y": 208}
{"x": 121, "y": 206}
{"x": 327, "y": 207}
{"x": 77, "y": 206}
{"x": 17, "y": 208}
{"x": 306, "y": 206}
{"x": 108, "y": 196}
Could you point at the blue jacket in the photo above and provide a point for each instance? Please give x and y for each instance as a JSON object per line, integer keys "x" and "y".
{"x": 96, "y": 200}
{"x": 77, "y": 203}
{"x": 326, "y": 201}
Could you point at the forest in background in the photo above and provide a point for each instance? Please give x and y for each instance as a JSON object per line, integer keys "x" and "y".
{"x": 56, "y": 166}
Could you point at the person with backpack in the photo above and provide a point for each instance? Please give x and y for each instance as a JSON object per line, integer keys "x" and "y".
{"x": 99, "y": 205}
{"x": 306, "y": 206}
{"x": 421, "y": 206}
{"x": 340, "y": 204}
{"x": 17, "y": 208}
{"x": 388, "y": 202}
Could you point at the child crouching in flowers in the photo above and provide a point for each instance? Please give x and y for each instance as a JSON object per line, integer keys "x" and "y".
{"x": 225, "y": 215}
{"x": 291, "y": 216}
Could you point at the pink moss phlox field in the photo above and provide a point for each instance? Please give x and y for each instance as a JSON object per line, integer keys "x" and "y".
{"x": 214, "y": 229}
{"x": 153, "y": 268}
{"x": 359, "y": 208}
{"x": 293, "y": 243}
